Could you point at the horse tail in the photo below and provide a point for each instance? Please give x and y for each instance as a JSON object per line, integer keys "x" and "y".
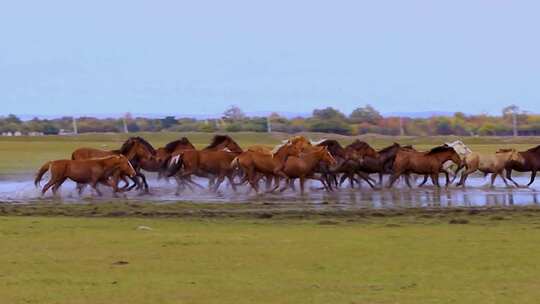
{"x": 42, "y": 172}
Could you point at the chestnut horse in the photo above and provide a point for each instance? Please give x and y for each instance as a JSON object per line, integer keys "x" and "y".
{"x": 88, "y": 171}
{"x": 212, "y": 161}
{"x": 137, "y": 150}
{"x": 257, "y": 163}
{"x": 303, "y": 166}
{"x": 530, "y": 163}
{"x": 490, "y": 163}
{"x": 407, "y": 162}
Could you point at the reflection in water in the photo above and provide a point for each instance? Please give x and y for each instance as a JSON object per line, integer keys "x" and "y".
{"x": 476, "y": 194}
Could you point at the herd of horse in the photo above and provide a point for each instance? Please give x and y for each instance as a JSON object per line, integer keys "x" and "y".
{"x": 297, "y": 158}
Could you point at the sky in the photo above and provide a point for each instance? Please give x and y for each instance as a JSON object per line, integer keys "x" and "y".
{"x": 65, "y": 57}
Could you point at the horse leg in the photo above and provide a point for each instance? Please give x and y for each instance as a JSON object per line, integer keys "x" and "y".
{"x": 509, "y": 176}
{"x": 94, "y": 186}
{"x": 217, "y": 183}
{"x": 408, "y": 180}
{"x": 145, "y": 184}
{"x": 446, "y": 174}
{"x": 393, "y": 179}
{"x": 230, "y": 178}
{"x": 493, "y": 177}
{"x": 435, "y": 179}
{"x": 533, "y": 176}
{"x": 424, "y": 181}
{"x": 57, "y": 185}
{"x": 302, "y": 181}
{"x": 503, "y": 178}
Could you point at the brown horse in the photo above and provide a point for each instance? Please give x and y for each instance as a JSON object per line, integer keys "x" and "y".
{"x": 303, "y": 166}
{"x": 355, "y": 154}
{"x": 530, "y": 163}
{"x": 257, "y": 163}
{"x": 137, "y": 150}
{"x": 329, "y": 173}
{"x": 407, "y": 162}
{"x": 89, "y": 171}
{"x": 212, "y": 161}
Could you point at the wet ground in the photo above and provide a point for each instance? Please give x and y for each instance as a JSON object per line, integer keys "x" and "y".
{"x": 477, "y": 194}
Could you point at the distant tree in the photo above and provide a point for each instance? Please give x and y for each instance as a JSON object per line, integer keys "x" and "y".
{"x": 331, "y": 126}
{"x": 233, "y": 113}
{"x": 365, "y": 114}
{"x": 328, "y": 113}
{"x": 168, "y": 122}
{"x": 11, "y": 118}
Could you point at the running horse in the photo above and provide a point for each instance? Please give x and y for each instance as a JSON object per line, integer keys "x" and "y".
{"x": 422, "y": 163}
{"x": 530, "y": 163}
{"x": 257, "y": 162}
{"x": 87, "y": 171}
{"x": 137, "y": 150}
{"x": 214, "y": 161}
{"x": 494, "y": 163}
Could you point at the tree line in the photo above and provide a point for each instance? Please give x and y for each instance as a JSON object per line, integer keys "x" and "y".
{"x": 362, "y": 120}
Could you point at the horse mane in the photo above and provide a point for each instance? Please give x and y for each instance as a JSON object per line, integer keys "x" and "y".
{"x": 170, "y": 147}
{"x": 329, "y": 143}
{"x": 146, "y": 144}
{"x": 333, "y": 146}
{"x": 126, "y": 146}
{"x": 358, "y": 144}
{"x": 439, "y": 149}
{"x": 389, "y": 147}
{"x": 535, "y": 149}
{"x": 218, "y": 139}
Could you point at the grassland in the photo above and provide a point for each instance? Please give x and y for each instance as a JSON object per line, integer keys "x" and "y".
{"x": 422, "y": 258}
{"x": 25, "y": 154}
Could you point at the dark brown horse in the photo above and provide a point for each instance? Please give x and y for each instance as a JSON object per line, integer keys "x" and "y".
{"x": 329, "y": 173}
{"x": 530, "y": 163}
{"x": 355, "y": 153}
{"x": 407, "y": 162}
{"x": 89, "y": 171}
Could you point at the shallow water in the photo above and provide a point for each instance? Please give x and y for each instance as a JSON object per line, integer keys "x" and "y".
{"x": 477, "y": 193}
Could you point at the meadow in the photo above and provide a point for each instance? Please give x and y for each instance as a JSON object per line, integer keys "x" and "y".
{"x": 140, "y": 251}
{"x": 484, "y": 258}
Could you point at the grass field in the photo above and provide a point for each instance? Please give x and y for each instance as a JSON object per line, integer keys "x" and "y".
{"x": 25, "y": 154}
{"x": 401, "y": 259}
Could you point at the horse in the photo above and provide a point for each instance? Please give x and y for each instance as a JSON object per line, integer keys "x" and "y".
{"x": 137, "y": 150}
{"x": 355, "y": 154}
{"x": 212, "y": 161}
{"x": 490, "y": 163}
{"x": 462, "y": 150}
{"x": 304, "y": 165}
{"x": 256, "y": 163}
{"x": 407, "y": 162}
{"x": 329, "y": 173}
{"x": 89, "y": 171}
{"x": 531, "y": 162}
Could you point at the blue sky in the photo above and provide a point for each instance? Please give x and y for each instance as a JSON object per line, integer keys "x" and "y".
{"x": 198, "y": 57}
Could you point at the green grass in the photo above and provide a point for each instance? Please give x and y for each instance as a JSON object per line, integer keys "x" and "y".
{"x": 403, "y": 259}
{"x": 26, "y": 154}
